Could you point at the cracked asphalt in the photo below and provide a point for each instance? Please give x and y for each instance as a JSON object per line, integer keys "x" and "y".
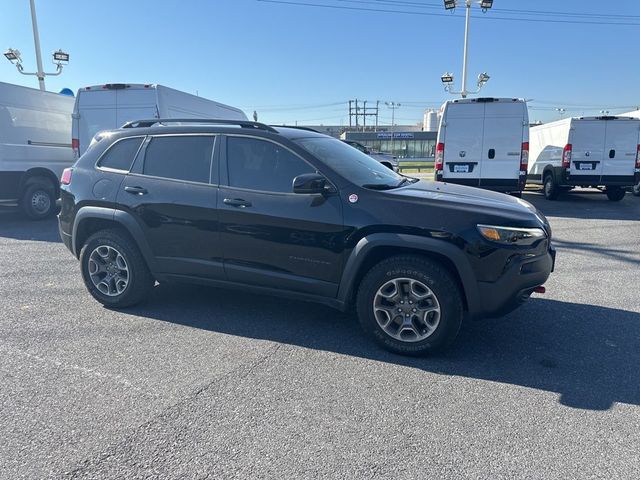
{"x": 204, "y": 383}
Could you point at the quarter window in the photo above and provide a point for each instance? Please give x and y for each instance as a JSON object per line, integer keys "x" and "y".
{"x": 261, "y": 165}
{"x": 180, "y": 158}
{"x": 121, "y": 154}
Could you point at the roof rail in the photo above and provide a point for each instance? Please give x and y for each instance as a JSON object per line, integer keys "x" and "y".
{"x": 308, "y": 129}
{"x": 212, "y": 121}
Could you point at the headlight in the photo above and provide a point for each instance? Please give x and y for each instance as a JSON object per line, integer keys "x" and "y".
{"x": 510, "y": 235}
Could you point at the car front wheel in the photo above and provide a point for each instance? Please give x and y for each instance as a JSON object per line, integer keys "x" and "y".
{"x": 410, "y": 305}
{"x": 114, "y": 271}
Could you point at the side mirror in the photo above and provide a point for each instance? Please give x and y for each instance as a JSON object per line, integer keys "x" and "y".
{"x": 309, "y": 183}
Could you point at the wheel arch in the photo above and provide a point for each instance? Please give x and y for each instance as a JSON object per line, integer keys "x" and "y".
{"x": 90, "y": 220}
{"x": 31, "y": 175}
{"x": 373, "y": 248}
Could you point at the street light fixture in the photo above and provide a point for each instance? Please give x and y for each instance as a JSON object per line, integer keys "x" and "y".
{"x": 483, "y": 78}
{"x": 13, "y": 55}
{"x": 60, "y": 57}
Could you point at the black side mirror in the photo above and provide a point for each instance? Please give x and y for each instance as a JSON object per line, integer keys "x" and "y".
{"x": 309, "y": 183}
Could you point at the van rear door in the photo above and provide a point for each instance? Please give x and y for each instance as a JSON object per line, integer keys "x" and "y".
{"x": 135, "y": 103}
{"x": 587, "y": 140}
{"x": 463, "y": 142}
{"x": 97, "y": 111}
{"x": 621, "y": 145}
{"x": 504, "y": 124}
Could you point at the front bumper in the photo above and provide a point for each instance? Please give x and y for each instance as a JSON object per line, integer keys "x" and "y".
{"x": 516, "y": 284}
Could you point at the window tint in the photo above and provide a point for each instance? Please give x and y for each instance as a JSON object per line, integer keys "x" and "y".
{"x": 121, "y": 154}
{"x": 261, "y": 165}
{"x": 180, "y": 157}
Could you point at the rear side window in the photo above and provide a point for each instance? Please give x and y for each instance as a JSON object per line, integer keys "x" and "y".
{"x": 121, "y": 154}
{"x": 180, "y": 158}
{"x": 261, "y": 165}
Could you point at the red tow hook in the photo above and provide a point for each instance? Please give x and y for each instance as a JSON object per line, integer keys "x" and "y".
{"x": 540, "y": 289}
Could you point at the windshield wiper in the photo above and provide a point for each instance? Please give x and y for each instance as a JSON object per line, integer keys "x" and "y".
{"x": 379, "y": 186}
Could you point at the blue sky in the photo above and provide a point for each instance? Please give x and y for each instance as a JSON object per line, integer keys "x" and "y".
{"x": 302, "y": 63}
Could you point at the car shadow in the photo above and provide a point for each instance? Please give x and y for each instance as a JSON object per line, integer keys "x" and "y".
{"x": 586, "y": 204}
{"x": 587, "y": 354}
{"x": 13, "y": 224}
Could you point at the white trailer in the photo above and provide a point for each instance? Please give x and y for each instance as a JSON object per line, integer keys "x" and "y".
{"x": 35, "y": 136}
{"x": 601, "y": 152}
{"x": 484, "y": 142}
{"x": 109, "y": 106}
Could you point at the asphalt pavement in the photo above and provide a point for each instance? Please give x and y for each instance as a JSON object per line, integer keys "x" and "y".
{"x": 205, "y": 383}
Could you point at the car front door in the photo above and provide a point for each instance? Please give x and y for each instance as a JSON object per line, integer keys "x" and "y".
{"x": 271, "y": 236}
{"x": 172, "y": 193}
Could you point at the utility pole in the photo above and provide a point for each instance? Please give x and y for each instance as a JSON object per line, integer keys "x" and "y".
{"x": 36, "y": 39}
{"x": 377, "y": 103}
{"x": 392, "y": 106}
{"x": 465, "y": 54}
{"x": 364, "y": 117}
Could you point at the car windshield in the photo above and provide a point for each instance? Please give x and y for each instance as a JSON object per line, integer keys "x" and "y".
{"x": 351, "y": 163}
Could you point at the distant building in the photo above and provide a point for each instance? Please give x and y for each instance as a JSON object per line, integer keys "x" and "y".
{"x": 405, "y": 144}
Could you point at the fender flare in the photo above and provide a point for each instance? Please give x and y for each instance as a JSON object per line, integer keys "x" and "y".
{"x": 369, "y": 243}
{"x": 124, "y": 219}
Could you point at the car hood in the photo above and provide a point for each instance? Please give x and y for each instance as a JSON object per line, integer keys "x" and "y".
{"x": 469, "y": 198}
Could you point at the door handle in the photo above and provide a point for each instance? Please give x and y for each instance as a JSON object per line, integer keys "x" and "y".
{"x": 492, "y": 153}
{"x": 136, "y": 190}
{"x": 612, "y": 153}
{"x": 237, "y": 202}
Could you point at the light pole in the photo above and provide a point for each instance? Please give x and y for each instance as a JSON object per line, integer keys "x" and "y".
{"x": 60, "y": 58}
{"x": 483, "y": 78}
{"x": 392, "y": 106}
{"x": 561, "y": 112}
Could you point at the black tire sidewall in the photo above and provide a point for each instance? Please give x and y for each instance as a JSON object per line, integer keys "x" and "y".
{"x": 615, "y": 194}
{"x": 550, "y": 193}
{"x": 442, "y": 285}
{"x": 126, "y": 298}
{"x": 27, "y": 196}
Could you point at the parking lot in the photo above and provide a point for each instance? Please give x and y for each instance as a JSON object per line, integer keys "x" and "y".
{"x": 205, "y": 383}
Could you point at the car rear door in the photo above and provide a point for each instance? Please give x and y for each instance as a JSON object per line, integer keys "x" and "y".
{"x": 621, "y": 146}
{"x": 171, "y": 192}
{"x": 463, "y": 143}
{"x": 587, "y": 140}
{"x": 271, "y": 236}
{"x": 502, "y": 144}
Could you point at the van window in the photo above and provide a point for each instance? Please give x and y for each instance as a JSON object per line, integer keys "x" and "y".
{"x": 180, "y": 158}
{"x": 261, "y": 165}
{"x": 121, "y": 154}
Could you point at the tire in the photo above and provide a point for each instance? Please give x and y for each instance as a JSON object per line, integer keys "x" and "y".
{"x": 550, "y": 188}
{"x": 516, "y": 194}
{"x": 431, "y": 279}
{"x": 98, "y": 253}
{"x": 636, "y": 190}
{"x": 38, "y": 200}
{"x": 615, "y": 194}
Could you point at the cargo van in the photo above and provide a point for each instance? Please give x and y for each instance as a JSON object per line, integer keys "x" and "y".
{"x": 601, "y": 152}
{"x": 109, "y": 106}
{"x": 484, "y": 142}
{"x": 35, "y": 146}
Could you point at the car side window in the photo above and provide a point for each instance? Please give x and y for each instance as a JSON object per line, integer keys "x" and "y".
{"x": 262, "y": 165}
{"x": 185, "y": 157}
{"x": 121, "y": 154}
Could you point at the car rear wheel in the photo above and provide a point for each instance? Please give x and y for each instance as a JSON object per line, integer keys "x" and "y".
{"x": 615, "y": 194}
{"x": 550, "y": 188}
{"x": 38, "y": 200}
{"x": 114, "y": 270}
{"x": 410, "y": 305}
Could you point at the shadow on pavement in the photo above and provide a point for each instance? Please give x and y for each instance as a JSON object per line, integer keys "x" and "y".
{"x": 13, "y": 224}
{"x": 588, "y": 354}
{"x": 586, "y": 204}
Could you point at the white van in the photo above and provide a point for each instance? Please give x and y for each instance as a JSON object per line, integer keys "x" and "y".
{"x": 484, "y": 142}
{"x": 599, "y": 152}
{"x": 35, "y": 135}
{"x": 109, "y": 106}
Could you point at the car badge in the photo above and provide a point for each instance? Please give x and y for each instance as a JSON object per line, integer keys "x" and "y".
{"x": 586, "y": 154}
{"x": 463, "y": 154}
{"x": 353, "y": 198}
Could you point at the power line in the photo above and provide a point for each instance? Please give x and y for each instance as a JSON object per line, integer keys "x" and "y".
{"x": 492, "y": 17}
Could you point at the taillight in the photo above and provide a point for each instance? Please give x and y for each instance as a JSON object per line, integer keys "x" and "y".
{"x": 75, "y": 145}
{"x": 65, "y": 179}
{"x": 524, "y": 157}
{"x": 439, "y": 156}
{"x": 638, "y": 158}
{"x": 566, "y": 155}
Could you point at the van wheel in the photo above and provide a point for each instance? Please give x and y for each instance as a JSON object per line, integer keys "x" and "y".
{"x": 636, "y": 190}
{"x": 615, "y": 194}
{"x": 550, "y": 188}
{"x": 38, "y": 200}
{"x": 516, "y": 194}
{"x": 114, "y": 271}
{"x": 410, "y": 305}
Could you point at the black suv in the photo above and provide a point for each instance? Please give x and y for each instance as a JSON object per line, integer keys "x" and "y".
{"x": 291, "y": 212}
